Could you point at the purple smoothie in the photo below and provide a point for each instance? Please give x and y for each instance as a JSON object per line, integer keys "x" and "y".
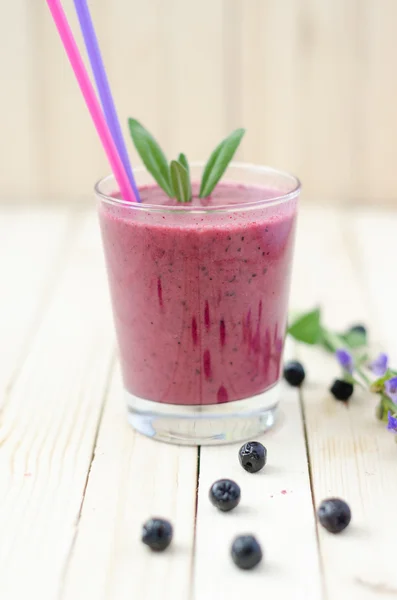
{"x": 200, "y": 299}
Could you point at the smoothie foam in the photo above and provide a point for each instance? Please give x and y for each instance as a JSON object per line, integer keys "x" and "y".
{"x": 200, "y": 299}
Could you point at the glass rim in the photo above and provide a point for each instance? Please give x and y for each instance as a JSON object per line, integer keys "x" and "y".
{"x": 259, "y": 169}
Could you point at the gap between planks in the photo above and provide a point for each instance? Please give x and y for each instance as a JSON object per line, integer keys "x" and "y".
{"x": 352, "y": 456}
{"x": 48, "y": 425}
{"x": 276, "y": 505}
{"x": 192, "y": 566}
{"x": 133, "y": 478}
{"x": 310, "y": 474}
{"x": 34, "y": 247}
{"x": 94, "y": 447}
{"x": 123, "y": 491}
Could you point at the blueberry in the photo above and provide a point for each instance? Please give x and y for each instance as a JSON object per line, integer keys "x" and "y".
{"x": 157, "y": 534}
{"x": 246, "y": 552}
{"x": 225, "y": 494}
{"x": 356, "y": 336}
{"x": 252, "y": 456}
{"x": 358, "y": 329}
{"x": 341, "y": 390}
{"x": 294, "y": 373}
{"x": 334, "y": 514}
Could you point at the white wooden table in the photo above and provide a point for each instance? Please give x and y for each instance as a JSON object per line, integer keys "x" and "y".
{"x": 76, "y": 483}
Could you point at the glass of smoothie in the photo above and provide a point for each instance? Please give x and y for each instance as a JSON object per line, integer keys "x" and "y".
{"x": 200, "y": 297}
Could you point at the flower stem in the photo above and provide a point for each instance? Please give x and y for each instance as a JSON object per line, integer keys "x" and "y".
{"x": 363, "y": 376}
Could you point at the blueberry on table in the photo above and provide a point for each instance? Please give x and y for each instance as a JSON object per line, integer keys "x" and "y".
{"x": 252, "y": 456}
{"x": 358, "y": 329}
{"x": 246, "y": 552}
{"x": 157, "y": 534}
{"x": 225, "y": 494}
{"x": 294, "y": 373}
{"x": 341, "y": 390}
{"x": 334, "y": 514}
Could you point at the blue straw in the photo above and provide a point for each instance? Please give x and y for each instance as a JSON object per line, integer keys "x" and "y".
{"x": 103, "y": 87}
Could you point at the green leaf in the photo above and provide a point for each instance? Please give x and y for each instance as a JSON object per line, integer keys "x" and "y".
{"x": 387, "y": 406}
{"x": 355, "y": 339}
{"x": 218, "y": 162}
{"x": 350, "y": 379}
{"x": 152, "y": 155}
{"x": 380, "y": 412}
{"x": 307, "y": 327}
{"x": 184, "y": 162}
{"x": 180, "y": 182}
{"x": 379, "y": 384}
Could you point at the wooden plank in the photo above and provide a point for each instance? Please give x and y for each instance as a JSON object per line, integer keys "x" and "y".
{"x": 311, "y": 81}
{"x": 300, "y": 82}
{"x": 374, "y": 245}
{"x": 270, "y": 83}
{"x": 64, "y": 127}
{"x": 251, "y": 83}
{"x": 17, "y": 152}
{"x": 317, "y": 275}
{"x": 33, "y": 248}
{"x": 133, "y": 478}
{"x": 49, "y": 425}
{"x": 191, "y": 43}
{"x": 376, "y": 177}
{"x": 352, "y": 456}
{"x": 233, "y": 66}
{"x": 276, "y": 506}
{"x": 328, "y": 97}
{"x": 131, "y": 35}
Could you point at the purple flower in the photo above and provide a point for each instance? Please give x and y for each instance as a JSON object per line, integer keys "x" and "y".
{"x": 380, "y": 365}
{"x": 345, "y": 360}
{"x": 391, "y": 422}
{"x": 391, "y": 389}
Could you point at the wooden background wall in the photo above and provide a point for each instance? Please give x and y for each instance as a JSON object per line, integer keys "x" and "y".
{"x": 313, "y": 81}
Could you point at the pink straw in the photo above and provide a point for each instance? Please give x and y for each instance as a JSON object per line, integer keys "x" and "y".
{"x": 91, "y": 100}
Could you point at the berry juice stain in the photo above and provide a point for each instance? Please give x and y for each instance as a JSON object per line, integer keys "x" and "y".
{"x": 194, "y": 331}
{"x": 260, "y": 311}
{"x": 222, "y": 332}
{"x": 266, "y": 352}
{"x": 247, "y": 328}
{"x": 222, "y": 395}
{"x": 160, "y": 291}
{"x": 256, "y": 342}
{"x": 207, "y": 316}
{"x": 207, "y": 364}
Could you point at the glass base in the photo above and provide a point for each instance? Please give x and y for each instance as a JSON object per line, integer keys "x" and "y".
{"x": 204, "y": 425}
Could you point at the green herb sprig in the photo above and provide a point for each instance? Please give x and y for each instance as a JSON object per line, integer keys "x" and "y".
{"x": 352, "y": 353}
{"x": 174, "y": 177}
